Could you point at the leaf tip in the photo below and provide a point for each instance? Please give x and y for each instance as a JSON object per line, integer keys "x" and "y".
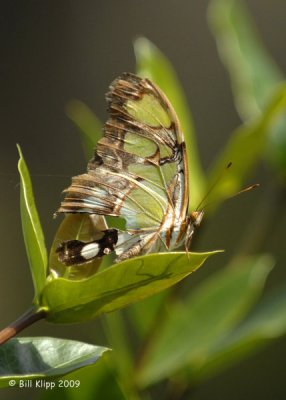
{"x": 143, "y": 48}
{"x": 19, "y": 150}
{"x": 140, "y": 41}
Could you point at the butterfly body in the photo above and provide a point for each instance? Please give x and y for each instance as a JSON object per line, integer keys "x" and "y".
{"x": 139, "y": 172}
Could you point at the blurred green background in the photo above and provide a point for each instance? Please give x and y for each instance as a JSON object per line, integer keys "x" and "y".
{"x": 53, "y": 52}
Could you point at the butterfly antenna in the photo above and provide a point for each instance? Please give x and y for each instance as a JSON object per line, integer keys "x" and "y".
{"x": 213, "y": 185}
{"x": 247, "y": 189}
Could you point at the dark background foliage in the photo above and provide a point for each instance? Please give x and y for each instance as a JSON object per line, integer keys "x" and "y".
{"x": 56, "y": 51}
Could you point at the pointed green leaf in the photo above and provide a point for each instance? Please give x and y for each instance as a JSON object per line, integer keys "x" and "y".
{"x": 244, "y": 148}
{"x": 44, "y": 357}
{"x": 152, "y": 64}
{"x": 117, "y": 286}
{"x": 89, "y": 125}
{"x": 253, "y": 73}
{"x": 266, "y": 322}
{"x": 210, "y": 312}
{"x": 32, "y": 230}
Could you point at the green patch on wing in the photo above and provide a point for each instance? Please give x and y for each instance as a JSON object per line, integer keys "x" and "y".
{"x": 139, "y": 146}
{"x": 149, "y": 110}
{"x": 147, "y": 205}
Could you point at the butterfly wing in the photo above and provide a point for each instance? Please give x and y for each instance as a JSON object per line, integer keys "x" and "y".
{"x": 139, "y": 167}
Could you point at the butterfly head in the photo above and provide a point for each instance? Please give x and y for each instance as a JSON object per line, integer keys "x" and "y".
{"x": 194, "y": 220}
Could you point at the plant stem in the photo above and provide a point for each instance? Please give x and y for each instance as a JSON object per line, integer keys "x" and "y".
{"x": 116, "y": 334}
{"x": 28, "y": 318}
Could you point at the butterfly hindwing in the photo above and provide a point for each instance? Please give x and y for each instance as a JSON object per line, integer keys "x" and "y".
{"x": 78, "y": 252}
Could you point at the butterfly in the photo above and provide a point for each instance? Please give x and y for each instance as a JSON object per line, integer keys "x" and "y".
{"x": 139, "y": 172}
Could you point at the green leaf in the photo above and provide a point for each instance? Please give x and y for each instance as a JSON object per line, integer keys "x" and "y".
{"x": 244, "y": 148}
{"x": 266, "y": 322}
{"x": 32, "y": 230}
{"x": 116, "y": 332}
{"x": 117, "y": 286}
{"x": 152, "y": 64}
{"x": 210, "y": 312}
{"x": 253, "y": 73}
{"x": 89, "y": 125}
{"x": 44, "y": 357}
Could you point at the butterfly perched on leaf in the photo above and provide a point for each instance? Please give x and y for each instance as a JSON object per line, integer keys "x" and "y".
{"x": 139, "y": 172}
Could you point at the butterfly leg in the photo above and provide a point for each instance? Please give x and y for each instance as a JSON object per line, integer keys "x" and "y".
{"x": 139, "y": 245}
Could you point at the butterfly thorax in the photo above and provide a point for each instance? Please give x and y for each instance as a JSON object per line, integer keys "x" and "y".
{"x": 183, "y": 230}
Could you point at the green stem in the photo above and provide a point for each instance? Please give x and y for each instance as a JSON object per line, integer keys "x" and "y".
{"x": 117, "y": 336}
{"x": 27, "y": 319}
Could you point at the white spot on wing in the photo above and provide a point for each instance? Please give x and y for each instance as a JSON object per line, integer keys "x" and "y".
{"x": 89, "y": 251}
